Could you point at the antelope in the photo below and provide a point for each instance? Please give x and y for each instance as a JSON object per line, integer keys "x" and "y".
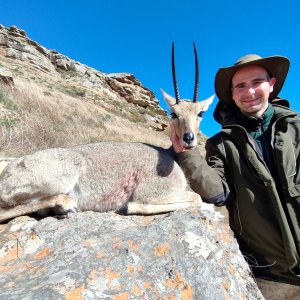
{"x": 125, "y": 177}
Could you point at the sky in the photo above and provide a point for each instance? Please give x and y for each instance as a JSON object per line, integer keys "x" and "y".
{"x": 135, "y": 36}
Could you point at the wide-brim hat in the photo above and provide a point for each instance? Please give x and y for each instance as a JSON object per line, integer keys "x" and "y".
{"x": 277, "y": 66}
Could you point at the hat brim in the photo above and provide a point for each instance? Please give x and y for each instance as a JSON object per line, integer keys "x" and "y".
{"x": 277, "y": 66}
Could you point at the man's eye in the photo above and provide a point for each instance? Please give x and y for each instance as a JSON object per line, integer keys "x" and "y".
{"x": 174, "y": 116}
{"x": 239, "y": 87}
{"x": 258, "y": 82}
{"x": 200, "y": 114}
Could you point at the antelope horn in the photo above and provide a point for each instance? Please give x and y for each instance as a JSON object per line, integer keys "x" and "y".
{"x": 196, "y": 76}
{"x": 174, "y": 76}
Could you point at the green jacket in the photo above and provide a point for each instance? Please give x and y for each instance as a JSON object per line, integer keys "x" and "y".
{"x": 264, "y": 210}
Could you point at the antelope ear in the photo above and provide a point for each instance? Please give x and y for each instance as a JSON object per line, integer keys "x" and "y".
{"x": 169, "y": 99}
{"x": 206, "y": 103}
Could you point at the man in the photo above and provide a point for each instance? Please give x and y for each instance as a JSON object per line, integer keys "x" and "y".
{"x": 252, "y": 166}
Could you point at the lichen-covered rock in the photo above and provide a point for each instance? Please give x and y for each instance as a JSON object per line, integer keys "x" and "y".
{"x": 181, "y": 255}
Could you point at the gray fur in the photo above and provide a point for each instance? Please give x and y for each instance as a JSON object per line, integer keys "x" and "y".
{"x": 132, "y": 178}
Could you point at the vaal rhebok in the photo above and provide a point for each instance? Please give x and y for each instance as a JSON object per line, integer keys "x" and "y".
{"x": 130, "y": 178}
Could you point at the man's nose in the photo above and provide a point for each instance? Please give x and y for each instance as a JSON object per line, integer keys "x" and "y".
{"x": 251, "y": 91}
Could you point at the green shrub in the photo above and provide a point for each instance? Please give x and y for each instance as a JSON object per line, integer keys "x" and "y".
{"x": 47, "y": 93}
{"x": 73, "y": 91}
{"x": 7, "y": 122}
{"x": 6, "y": 100}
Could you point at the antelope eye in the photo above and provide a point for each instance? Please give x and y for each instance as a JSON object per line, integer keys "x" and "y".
{"x": 174, "y": 116}
{"x": 200, "y": 114}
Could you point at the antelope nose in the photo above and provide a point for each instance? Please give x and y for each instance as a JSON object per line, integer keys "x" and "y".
{"x": 188, "y": 137}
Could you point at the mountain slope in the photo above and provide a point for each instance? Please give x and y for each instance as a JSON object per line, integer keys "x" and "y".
{"x": 50, "y": 100}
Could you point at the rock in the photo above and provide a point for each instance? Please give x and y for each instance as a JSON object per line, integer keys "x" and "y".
{"x": 181, "y": 255}
{"x": 15, "y": 44}
{"x": 4, "y": 161}
{"x": 6, "y": 77}
{"x": 16, "y": 31}
{"x": 129, "y": 88}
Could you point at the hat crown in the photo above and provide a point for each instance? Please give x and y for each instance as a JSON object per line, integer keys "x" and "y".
{"x": 246, "y": 59}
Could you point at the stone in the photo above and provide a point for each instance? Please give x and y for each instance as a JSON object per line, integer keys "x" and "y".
{"x": 187, "y": 254}
{"x": 6, "y": 77}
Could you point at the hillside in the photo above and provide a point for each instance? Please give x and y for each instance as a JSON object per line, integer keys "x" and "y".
{"x": 50, "y": 100}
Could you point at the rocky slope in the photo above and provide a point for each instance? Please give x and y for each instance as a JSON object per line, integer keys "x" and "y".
{"x": 16, "y": 45}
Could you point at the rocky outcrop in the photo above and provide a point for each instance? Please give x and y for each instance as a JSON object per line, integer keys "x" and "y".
{"x": 181, "y": 255}
{"x": 6, "y": 77}
{"x": 15, "y": 44}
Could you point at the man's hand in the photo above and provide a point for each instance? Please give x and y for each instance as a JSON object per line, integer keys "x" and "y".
{"x": 175, "y": 140}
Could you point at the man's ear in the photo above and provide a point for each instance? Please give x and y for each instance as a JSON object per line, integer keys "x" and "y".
{"x": 272, "y": 82}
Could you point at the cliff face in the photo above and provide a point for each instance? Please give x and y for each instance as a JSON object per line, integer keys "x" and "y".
{"x": 16, "y": 45}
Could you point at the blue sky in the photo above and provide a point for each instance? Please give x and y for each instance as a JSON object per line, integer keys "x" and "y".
{"x": 136, "y": 37}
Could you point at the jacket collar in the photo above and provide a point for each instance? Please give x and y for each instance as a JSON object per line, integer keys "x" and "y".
{"x": 226, "y": 115}
{"x": 251, "y": 123}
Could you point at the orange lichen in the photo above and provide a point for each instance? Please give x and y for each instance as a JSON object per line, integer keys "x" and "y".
{"x": 75, "y": 294}
{"x": 187, "y": 292}
{"x": 226, "y": 284}
{"x": 131, "y": 269}
{"x": 117, "y": 243}
{"x": 147, "y": 285}
{"x": 231, "y": 269}
{"x": 92, "y": 277}
{"x": 133, "y": 246}
{"x": 122, "y": 296}
{"x": 111, "y": 276}
{"x": 136, "y": 291}
{"x": 19, "y": 266}
{"x": 7, "y": 268}
{"x": 34, "y": 236}
{"x": 88, "y": 243}
{"x": 45, "y": 252}
{"x": 184, "y": 287}
{"x": 170, "y": 297}
{"x": 100, "y": 255}
{"x": 162, "y": 249}
{"x": 36, "y": 270}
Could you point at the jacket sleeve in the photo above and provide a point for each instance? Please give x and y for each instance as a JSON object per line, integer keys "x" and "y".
{"x": 206, "y": 177}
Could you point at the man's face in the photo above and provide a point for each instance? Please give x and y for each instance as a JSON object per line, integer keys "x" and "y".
{"x": 251, "y": 88}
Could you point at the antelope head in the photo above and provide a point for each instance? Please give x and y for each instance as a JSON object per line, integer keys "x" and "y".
{"x": 186, "y": 114}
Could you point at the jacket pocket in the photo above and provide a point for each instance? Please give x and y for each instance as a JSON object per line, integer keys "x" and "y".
{"x": 294, "y": 191}
{"x": 285, "y": 157}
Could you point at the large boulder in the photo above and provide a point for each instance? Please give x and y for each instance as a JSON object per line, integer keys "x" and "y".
{"x": 188, "y": 254}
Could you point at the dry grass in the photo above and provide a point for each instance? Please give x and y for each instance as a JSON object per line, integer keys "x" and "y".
{"x": 41, "y": 122}
{"x": 32, "y": 119}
